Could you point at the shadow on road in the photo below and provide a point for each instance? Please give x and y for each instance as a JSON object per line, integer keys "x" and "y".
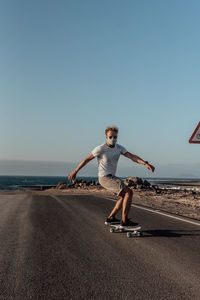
{"x": 170, "y": 233}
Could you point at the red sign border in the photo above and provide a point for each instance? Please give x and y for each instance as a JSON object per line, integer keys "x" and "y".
{"x": 190, "y": 140}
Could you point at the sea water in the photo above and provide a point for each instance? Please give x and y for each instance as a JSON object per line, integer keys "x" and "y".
{"x": 34, "y": 182}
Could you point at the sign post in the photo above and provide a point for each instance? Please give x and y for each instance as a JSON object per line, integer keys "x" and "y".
{"x": 195, "y": 138}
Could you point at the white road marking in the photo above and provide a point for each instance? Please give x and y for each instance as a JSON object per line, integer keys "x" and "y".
{"x": 161, "y": 213}
{"x": 147, "y": 209}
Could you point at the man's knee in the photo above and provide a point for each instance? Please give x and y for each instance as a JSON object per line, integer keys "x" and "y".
{"x": 129, "y": 191}
{"x": 126, "y": 190}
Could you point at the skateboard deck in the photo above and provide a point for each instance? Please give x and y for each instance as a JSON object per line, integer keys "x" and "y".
{"x": 131, "y": 230}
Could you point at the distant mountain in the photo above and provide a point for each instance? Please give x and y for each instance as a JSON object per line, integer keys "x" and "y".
{"x": 48, "y": 168}
{"x": 43, "y": 168}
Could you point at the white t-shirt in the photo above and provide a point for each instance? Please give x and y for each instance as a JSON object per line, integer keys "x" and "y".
{"x": 108, "y": 158}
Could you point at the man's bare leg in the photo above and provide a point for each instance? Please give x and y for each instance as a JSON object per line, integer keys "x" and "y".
{"x": 127, "y": 200}
{"x": 117, "y": 207}
{"x": 130, "y": 202}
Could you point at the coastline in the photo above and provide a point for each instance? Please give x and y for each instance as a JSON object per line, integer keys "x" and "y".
{"x": 187, "y": 183}
{"x": 46, "y": 182}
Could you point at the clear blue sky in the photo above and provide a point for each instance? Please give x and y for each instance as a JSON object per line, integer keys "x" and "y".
{"x": 70, "y": 68}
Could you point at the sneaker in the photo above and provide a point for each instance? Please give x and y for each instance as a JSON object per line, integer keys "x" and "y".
{"x": 112, "y": 221}
{"x": 129, "y": 223}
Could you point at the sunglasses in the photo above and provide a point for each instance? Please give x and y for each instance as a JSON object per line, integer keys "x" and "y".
{"x": 113, "y": 137}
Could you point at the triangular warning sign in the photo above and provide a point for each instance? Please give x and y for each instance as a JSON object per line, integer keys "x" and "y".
{"x": 195, "y": 138}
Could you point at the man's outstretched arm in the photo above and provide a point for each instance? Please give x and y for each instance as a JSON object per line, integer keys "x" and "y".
{"x": 139, "y": 160}
{"x": 72, "y": 175}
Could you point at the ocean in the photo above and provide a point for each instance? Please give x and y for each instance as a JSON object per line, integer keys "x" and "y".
{"x": 44, "y": 182}
{"x": 34, "y": 182}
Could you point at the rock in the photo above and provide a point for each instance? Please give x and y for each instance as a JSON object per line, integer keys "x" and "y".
{"x": 137, "y": 183}
{"x": 130, "y": 181}
{"x": 159, "y": 191}
{"x": 91, "y": 183}
{"x": 146, "y": 183}
{"x": 82, "y": 184}
{"x": 154, "y": 186}
{"x": 62, "y": 185}
{"x": 70, "y": 186}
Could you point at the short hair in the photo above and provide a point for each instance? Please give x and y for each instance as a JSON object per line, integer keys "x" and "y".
{"x": 111, "y": 128}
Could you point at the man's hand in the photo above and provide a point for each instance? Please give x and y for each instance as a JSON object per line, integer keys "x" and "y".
{"x": 150, "y": 167}
{"x": 72, "y": 176}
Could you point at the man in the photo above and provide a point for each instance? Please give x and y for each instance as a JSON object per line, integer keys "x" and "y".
{"x": 108, "y": 155}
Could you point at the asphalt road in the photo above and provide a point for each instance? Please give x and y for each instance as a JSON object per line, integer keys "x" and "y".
{"x": 57, "y": 247}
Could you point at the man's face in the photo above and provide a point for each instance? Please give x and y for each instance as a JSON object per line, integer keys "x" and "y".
{"x": 111, "y": 137}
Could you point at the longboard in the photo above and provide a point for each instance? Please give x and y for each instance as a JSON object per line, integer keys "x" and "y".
{"x": 131, "y": 230}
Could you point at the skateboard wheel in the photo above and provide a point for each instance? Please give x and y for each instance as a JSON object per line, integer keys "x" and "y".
{"x": 139, "y": 233}
{"x": 129, "y": 234}
{"x": 112, "y": 230}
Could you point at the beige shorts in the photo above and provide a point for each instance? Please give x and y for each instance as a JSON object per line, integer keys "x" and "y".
{"x": 112, "y": 183}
